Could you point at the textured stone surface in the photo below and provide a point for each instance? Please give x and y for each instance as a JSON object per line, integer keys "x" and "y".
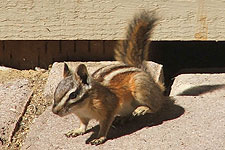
{"x": 107, "y": 20}
{"x": 194, "y": 123}
{"x": 207, "y": 85}
{"x": 14, "y": 96}
{"x": 56, "y": 73}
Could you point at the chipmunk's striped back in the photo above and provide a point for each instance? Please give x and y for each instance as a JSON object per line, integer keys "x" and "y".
{"x": 105, "y": 74}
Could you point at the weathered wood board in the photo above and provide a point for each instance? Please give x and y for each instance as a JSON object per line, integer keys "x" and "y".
{"x": 107, "y": 20}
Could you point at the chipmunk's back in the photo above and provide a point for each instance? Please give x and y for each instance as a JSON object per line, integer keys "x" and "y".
{"x": 129, "y": 84}
{"x": 107, "y": 74}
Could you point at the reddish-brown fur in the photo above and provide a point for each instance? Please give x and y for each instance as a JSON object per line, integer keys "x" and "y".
{"x": 123, "y": 85}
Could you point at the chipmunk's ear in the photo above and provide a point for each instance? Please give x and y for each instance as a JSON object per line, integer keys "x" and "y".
{"x": 83, "y": 74}
{"x": 66, "y": 71}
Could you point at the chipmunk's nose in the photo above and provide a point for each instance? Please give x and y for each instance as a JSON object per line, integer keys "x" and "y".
{"x": 55, "y": 110}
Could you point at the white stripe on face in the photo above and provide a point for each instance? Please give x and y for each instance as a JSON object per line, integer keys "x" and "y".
{"x": 63, "y": 101}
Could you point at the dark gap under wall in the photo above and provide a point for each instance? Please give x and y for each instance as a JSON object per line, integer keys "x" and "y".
{"x": 174, "y": 55}
{"x": 184, "y": 57}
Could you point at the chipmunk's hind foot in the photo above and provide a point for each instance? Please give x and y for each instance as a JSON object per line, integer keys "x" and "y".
{"x": 98, "y": 141}
{"x": 142, "y": 110}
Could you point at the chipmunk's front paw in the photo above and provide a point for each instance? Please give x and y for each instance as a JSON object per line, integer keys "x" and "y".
{"x": 74, "y": 133}
{"x": 98, "y": 141}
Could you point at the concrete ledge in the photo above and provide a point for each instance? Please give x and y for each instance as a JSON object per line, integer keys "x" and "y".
{"x": 56, "y": 73}
{"x": 207, "y": 85}
{"x": 14, "y": 97}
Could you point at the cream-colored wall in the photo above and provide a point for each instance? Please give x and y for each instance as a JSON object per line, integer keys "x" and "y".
{"x": 107, "y": 19}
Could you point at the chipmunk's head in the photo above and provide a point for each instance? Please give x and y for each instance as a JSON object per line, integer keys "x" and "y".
{"x": 72, "y": 90}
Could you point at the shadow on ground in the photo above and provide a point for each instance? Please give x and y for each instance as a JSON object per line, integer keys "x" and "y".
{"x": 198, "y": 90}
{"x": 170, "y": 112}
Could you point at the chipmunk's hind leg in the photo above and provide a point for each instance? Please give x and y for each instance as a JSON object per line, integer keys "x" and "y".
{"x": 148, "y": 94}
{"x": 104, "y": 127}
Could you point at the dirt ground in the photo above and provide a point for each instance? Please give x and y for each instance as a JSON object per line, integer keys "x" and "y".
{"x": 37, "y": 79}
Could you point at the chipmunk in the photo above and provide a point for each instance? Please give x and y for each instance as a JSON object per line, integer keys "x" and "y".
{"x": 113, "y": 90}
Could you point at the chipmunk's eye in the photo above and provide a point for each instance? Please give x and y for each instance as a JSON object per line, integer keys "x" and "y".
{"x": 74, "y": 94}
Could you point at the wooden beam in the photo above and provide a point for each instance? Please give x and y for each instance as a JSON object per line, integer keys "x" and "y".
{"x": 107, "y": 20}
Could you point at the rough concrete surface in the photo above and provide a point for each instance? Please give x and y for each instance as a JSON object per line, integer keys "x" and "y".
{"x": 202, "y": 126}
{"x": 14, "y": 97}
{"x": 194, "y": 122}
{"x": 56, "y": 73}
{"x": 207, "y": 85}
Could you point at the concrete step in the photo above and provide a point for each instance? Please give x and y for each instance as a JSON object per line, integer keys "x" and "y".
{"x": 193, "y": 123}
{"x": 14, "y": 97}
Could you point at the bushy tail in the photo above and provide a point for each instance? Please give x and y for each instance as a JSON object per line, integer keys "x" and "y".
{"x": 134, "y": 50}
